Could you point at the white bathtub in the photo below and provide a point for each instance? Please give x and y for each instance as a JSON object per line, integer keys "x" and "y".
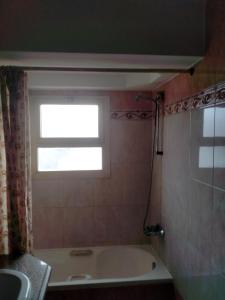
{"x": 103, "y": 266}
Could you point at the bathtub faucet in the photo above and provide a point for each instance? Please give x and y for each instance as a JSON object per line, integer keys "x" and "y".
{"x": 154, "y": 230}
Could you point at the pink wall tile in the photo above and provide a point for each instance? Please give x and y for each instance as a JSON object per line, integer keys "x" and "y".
{"x": 131, "y": 223}
{"x": 110, "y": 191}
{"x": 78, "y": 193}
{"x": 120, "y": 224}
{"x": 47, "y": 193}
{"x": 107, "y": 227}
{"x": 48, "y": 227}
{"x": 101, "y": 210}
{"x": 126, "y": 186}
{"x": 137, "y": 181}
{"x": 78, "y": 226}
{"x": 131, "y": 141}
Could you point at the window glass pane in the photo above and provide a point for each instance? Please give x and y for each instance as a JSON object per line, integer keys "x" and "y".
{"x": 69, "y": 121}
{"x": 69, "y": 159}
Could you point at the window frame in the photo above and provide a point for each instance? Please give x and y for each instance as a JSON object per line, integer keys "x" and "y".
{"x": 38, "y": 98}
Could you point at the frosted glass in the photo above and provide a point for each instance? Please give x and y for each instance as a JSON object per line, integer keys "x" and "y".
{"x": 69, "y": 159}
{"x": 69, "y": 121}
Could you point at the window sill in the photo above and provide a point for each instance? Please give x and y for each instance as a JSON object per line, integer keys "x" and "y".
{"x": 71, "y": 174}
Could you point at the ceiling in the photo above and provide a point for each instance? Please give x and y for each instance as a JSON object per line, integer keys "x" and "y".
{"x": 98, "y": 80}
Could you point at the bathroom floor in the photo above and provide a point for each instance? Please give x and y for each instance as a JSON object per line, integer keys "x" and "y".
{"x": 160, "y": 291}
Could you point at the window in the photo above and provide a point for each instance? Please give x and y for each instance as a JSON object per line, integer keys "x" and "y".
{"x": 70, "y": 135}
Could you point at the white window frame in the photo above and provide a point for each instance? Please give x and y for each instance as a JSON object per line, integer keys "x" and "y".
{"x": 38, "y": 98}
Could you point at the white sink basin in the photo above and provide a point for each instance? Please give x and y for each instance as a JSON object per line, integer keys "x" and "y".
{"x": 14, "y": 285}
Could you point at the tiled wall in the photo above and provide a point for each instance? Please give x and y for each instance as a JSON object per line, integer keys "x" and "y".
{"x": 191, "y": 200}
{"x": 193, "y": 204}
{"x": 85, "y": 212}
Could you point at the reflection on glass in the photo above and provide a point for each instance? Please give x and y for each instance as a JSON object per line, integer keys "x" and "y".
{"x": 69, "y": 159}
{"x": 213, "y": 126}
{"x": 209, "y": 125}
{"x": 210, "y": 157}
{"x": 205, "y": 157}
{"x": 71, "y": 121}
{"x": 220, "y": 122}
{"x": 219, "y": 157}
{"x": 208, "y": 122}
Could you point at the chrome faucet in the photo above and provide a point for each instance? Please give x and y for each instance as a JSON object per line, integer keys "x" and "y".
{"x": 154, "y": 230}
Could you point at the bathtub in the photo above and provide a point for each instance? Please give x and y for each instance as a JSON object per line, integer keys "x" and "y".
{"x": 103, "y": 266}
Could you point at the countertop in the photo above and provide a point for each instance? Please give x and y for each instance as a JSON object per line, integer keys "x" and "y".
{"x": 36, "y": 270}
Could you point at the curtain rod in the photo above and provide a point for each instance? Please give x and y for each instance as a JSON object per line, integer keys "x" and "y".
{"x": 107, "y": 70}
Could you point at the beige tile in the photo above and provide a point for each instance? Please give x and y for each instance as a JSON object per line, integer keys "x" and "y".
{"x": 218, "y": 221}
{"x": 156, "y": 192}
{"x": 176, "y": 172}
{"x": 176, "y": 158}
{"x": 219, "y": 147}
{"x": 200, "y": 219}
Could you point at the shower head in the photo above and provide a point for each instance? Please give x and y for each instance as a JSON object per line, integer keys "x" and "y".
{"x": 157, "y": 99}
{"x": 144, "y": 97}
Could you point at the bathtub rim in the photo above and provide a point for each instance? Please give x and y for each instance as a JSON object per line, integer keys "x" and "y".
{"x": 156, "y": 276}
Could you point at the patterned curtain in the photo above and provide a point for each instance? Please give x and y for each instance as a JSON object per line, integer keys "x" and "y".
{"x": 15, "y": 166}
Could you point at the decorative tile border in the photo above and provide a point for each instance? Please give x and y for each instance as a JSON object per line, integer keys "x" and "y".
{"x": 215, "y": 94}
{"x": 132, "y": 115}
{"x": 220, "y": 93}
{"x": 199, "y": 100}
{"x": 207, "y": 97}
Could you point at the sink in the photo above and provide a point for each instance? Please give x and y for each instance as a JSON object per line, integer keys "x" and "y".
{"x": 14, "y": 285}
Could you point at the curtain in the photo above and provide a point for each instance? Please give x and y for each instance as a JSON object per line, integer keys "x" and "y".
{"x": 15, "y": 165}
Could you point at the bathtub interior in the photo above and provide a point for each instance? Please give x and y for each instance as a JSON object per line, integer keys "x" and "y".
{"x": 104, "y": 264}
{"x": 123, "y": 262}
